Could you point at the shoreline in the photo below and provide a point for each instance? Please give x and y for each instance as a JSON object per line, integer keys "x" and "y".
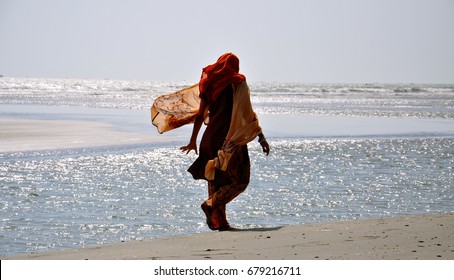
{"x": 44, "y": 127}
{"x": 29, "y": 133}
{"x": 21, "y": 135}
{"x": 422, "y": 237}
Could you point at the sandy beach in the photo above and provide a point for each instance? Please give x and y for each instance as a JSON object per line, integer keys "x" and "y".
{"x": 423, "y": 237}
{"x": 31, "y": 134}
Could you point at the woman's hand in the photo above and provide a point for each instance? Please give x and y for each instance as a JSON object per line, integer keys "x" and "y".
{"x": 191, "y": 146}
{"x": 265, "y": 147}
{"x": 264, "y": 143}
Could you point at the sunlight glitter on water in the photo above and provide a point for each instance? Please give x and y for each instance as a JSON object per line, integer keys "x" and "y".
{"x": 82, "y": 197}
{"x": 337, "y": 152}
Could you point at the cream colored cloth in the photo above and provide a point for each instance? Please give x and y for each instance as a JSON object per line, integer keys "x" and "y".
{"x": 244, "y": 127}
{"x": 177, "y": 109}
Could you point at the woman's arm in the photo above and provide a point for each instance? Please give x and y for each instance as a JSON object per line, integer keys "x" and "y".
{"x": 195, "y": 130}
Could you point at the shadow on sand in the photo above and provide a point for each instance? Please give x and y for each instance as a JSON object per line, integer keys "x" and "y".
{"x": 264, "y": 229}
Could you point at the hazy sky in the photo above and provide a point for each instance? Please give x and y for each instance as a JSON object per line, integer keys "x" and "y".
{"x": 281, "y": 40}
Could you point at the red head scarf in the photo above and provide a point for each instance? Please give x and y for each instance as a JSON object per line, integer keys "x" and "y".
{"x": 217, "y": 76}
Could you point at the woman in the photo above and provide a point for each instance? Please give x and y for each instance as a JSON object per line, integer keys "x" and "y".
{"x": 231, "y": 123}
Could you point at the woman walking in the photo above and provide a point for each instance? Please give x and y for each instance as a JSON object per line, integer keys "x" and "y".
{"x": 223, "y": 160}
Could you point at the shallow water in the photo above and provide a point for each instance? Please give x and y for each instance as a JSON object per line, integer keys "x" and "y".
{"x": 378, "y": 100}
{"x": 78, "y": 197}
{"x": 71, "y": 198}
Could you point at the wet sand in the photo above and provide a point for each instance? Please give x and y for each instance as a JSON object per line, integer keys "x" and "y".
{"x": 423, "y": 237}
{"x": 31, "y": 134}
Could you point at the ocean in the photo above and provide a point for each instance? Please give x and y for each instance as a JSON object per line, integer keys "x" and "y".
{"x": 338, "y": 152}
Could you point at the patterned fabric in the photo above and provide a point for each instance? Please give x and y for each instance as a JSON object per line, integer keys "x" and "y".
{"x": 218, "y": 197}
{"x": 177, "y": 109}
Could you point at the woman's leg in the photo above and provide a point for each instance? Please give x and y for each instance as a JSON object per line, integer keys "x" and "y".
{"x": 227, "y": 193}
{"x": 219, "y": 200}
{"x": 215, "y": 206}
{"x": 214, "y": 215}
{"x": 238, "y": 174}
